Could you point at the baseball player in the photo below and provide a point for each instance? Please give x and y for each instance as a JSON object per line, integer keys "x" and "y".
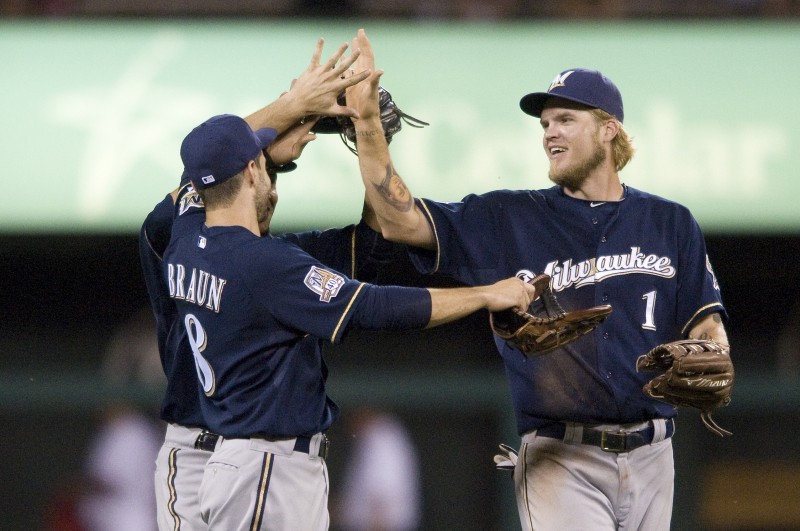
{"x": 188, "y": 442}
{"x": 596, "y": 453}
{"x": 256, "y": 311}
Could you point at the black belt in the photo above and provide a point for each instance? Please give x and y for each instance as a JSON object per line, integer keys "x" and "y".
{"x": 609, "y": 441}
{"x": 303, "y": 444}
{"x": 208, "y": 441}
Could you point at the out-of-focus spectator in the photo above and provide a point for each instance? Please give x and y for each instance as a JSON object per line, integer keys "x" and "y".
{"x": 381, "y": 484}
{"x": 117, "y": 486}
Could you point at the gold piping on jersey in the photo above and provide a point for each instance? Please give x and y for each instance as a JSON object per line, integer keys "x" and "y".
{"x": 263, "y": 487}
{"x": 707, "y": 306}
{"x": 435, "y": 234}
{"x": 524, "y": 472}
{"x": 346, "y": 311}
{"x": 173, "y": 496}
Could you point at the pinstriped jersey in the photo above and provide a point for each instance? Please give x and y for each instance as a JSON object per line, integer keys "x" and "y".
{"x": 643, "y": 255}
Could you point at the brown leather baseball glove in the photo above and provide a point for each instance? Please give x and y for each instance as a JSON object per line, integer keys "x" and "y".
{"x": 546, "y": 325}
{"x": 697, "y": 373}
{"x": 392, "y": 119}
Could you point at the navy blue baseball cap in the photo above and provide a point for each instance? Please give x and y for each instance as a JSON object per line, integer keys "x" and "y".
{"x": 580, "y": 85}
{"x": 221, "y": 147}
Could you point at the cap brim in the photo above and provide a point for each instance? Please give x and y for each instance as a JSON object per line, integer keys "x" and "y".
{"x": 533, "y": 103}
{"x": 266, "y": 136}
{"x": 286, "y": 168}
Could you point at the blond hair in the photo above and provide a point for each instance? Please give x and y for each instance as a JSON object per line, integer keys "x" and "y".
{"x": 622, "y": 145}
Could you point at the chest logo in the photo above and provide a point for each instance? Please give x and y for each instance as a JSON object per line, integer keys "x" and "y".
{"x": 593, "y": 270}
{"x": 323, "y": 282}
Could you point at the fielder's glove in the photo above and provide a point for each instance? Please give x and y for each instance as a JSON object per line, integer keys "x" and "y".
{"x": 506, "y": 459}
{"x": 392, "y": 119}
{"x": 697, "y": 373}
{"x": 546, "y": 325}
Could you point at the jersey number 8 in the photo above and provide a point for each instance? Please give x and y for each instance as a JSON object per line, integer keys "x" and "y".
{"x": 197, "y": 339}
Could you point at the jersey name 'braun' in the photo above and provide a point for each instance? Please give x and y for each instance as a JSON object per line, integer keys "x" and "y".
{"x": 202, "y": 289}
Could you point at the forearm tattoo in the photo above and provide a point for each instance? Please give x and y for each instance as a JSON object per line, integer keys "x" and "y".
{"x": 717, "y": 318}
{"x": 394, "y": 190}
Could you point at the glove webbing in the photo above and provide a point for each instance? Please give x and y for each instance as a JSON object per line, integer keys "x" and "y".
{"x": 410, "y": 120}
{"x": 545, "y": 307}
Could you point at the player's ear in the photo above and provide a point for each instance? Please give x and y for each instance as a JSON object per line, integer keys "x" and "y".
{"x": 610, "y": 129}
{"x": 251, "y": 173}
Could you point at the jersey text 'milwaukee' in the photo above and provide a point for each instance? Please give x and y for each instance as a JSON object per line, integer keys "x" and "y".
{"x": 597, "y": 269}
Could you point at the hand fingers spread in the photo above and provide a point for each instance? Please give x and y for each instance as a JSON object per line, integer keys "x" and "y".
{"x": 347, "y": 61}
{"x": 353, "y": 79}
{"x": 336, "y": 56}
{"x": 317, "y": 54}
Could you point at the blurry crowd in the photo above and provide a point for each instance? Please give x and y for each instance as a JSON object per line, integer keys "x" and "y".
{"x": 406, "y": 9}
{"x": 113, "y": 490}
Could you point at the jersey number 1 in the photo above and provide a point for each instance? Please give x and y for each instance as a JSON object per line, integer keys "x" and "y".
{"x": 649, "y": 311}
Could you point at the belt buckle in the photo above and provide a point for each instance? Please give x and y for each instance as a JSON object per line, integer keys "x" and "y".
{"x": 324, "y": 445}
{"x": 206, "y": 441}
{"x": 613, "y": 441}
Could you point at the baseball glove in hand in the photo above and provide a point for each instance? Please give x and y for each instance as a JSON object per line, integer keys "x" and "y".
{"x": 392, "y": 119}
{"x": 697, "y": 373}
{"x": 545, "y": 326}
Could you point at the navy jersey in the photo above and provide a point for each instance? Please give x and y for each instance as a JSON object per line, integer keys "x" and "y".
{"x": 180, "y": 404}
{"x": 643, "y": 255}
{"x": 257, "y": 311}
{"x": 354, "y": 248}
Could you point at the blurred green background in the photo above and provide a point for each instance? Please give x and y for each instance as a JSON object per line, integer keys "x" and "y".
{"x": 93, "y": 113}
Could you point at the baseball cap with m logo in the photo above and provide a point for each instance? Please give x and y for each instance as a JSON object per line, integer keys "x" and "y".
{"x": 588, "y": 87}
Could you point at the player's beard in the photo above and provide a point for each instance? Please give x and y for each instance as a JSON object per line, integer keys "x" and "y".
{"x": 264, "y": 206}
{"x": 573, "y": 177}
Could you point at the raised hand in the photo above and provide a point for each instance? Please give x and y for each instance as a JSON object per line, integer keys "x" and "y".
{"x": 289, "y": 146}
{"x": 364, "y": 97}
{"x": 316, "y": 90}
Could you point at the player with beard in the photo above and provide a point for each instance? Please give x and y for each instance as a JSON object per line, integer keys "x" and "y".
{"x": 596, "y": 452}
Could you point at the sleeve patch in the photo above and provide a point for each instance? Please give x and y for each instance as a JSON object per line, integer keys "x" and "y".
{"x": 711, "y": 271}
{"x": 323, "y": 282}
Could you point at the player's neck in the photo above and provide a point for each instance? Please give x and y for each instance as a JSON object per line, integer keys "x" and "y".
{"x": 602, "y": 187}
{"x": 239, "y": 214}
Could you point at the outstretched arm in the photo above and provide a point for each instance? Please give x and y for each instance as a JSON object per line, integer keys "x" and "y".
{"x": 398, "y": 308}
{"x": 399, "y": 217}
{"x": 449, "y": 304}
